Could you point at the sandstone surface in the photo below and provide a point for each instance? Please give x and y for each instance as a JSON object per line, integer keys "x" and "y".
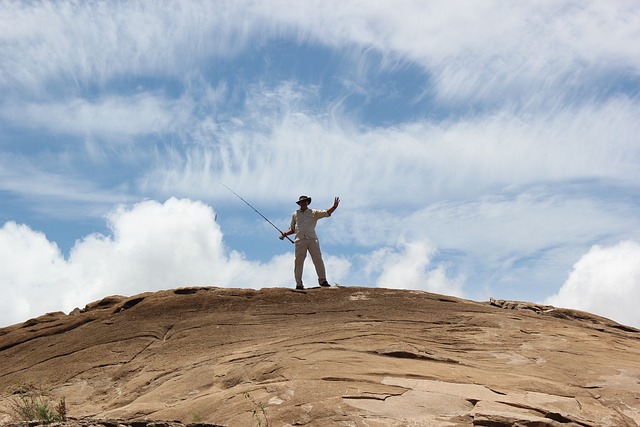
{"x": 347, "y": 356}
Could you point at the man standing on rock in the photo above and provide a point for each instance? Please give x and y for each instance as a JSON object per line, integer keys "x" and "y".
{"x": 303, "y": 224}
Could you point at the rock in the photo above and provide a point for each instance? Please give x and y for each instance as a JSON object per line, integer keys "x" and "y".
{"x": 111, "y": 423}
{"x": 347, "y": 356}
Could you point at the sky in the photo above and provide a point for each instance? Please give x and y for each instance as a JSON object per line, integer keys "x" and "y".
{"x": 479, "y": 149}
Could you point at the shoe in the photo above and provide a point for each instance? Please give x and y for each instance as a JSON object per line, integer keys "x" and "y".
{"x": 325, "y": 284}
{"x": 300, "y": 287}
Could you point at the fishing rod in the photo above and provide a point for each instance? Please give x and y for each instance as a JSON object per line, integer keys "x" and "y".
{"x": 265, "y": 218}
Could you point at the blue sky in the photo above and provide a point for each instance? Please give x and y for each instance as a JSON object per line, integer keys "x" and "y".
{"x": 480, "y": 149}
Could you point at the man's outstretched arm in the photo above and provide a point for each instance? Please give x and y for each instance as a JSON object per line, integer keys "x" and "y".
{"x": 336, "y": 202}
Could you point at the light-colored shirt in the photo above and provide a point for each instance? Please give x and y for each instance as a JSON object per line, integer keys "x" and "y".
{"x": 304, "y": 223}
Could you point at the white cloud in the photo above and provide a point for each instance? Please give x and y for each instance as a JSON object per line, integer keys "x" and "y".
{"x": 519, "y": 223}
{"x": 116, "y": 117}
{"x": 605, "y": 281}
{"x": 480, "y": 50}
{"x": 412, "y": 164}
{"x": 32, "y": 270}
{"x": 515, "y": 245}
{"x": 281, "y": 129}
{"x": 56, "y": 193}
{"x": 408, "y": 266}
{"x": 153, "y": 246}
{"x": 474, "y": 50}
{"x": 92, "y": 43}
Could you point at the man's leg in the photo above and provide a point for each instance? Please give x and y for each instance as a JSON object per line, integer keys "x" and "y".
{"x": 316, "y": 257}
{"x": 298, "y": 264}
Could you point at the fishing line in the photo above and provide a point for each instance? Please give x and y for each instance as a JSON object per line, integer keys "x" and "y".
{"x": 249, "y": 204}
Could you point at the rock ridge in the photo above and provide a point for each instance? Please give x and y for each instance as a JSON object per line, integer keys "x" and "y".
{"x": 348, "y": 356}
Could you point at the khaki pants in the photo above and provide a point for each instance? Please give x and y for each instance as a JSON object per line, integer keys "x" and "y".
{"x": 313, "y": 247}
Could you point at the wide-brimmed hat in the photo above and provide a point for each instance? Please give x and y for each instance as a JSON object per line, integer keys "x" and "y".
{"x": 303, "y": 198}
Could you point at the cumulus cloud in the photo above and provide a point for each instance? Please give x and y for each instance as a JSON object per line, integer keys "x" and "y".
{"x": 152, "y": 246}
{"x": 605, "y": 281}
{"x": 32, "y": 270}
{"x": 409, "y": 266}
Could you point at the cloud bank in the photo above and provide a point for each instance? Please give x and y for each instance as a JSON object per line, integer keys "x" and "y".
{"x": 154, "y": 246}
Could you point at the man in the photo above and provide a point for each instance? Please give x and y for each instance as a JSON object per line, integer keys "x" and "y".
{"x": 303, "y": 224}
